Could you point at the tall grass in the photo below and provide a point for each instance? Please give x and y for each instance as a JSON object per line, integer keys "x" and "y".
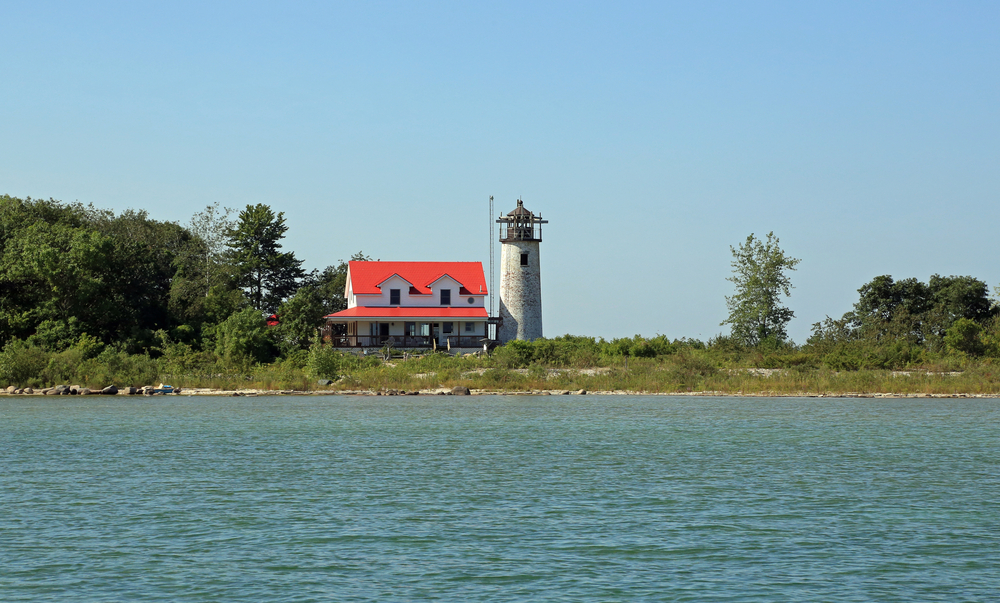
{"x": 568, "y": 363}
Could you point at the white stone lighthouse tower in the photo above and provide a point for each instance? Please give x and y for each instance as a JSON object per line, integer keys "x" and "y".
{"x": 520, "y": 276}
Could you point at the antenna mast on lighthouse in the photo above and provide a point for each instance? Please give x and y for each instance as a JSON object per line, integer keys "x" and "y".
{"x": 491, "y": 255}
{"x": 492, "y": 295}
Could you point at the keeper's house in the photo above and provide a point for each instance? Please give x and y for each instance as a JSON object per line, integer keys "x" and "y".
{"x": 411, "y": 305}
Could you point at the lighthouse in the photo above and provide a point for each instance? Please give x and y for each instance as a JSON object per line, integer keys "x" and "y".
{"x": 520, "y": 275}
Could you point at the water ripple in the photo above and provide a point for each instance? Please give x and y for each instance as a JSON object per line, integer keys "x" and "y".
{"x": 499, "y": 499}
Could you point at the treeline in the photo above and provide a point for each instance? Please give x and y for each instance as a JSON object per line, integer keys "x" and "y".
{"x": 898, "y": 324}
{"x": 98, "y": 298}
{"x": 85, "y": 287}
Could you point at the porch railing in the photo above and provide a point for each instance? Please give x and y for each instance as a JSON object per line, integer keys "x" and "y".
{"x": 401, "y": 341}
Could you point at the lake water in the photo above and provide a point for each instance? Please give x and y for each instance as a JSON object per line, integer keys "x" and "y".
{"x": 496, "y": 498}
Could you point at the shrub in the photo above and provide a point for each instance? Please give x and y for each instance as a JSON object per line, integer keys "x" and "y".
{"x": 324, "y": 362}
{"x": 115, "y": 366}
{"x": 688, "y": 370}
{"x": 963, "y": 336}
{"x": 56, "y": 335}
{"x": 22, "y": 364}
{"x": 514, "y": 354}
{"x": 640, "y": 347}
{"x": 62, "y": 367}
{"x": 862, "y": 355}
{"x": 243, "y": 339}
{"x": 287, "y": 373}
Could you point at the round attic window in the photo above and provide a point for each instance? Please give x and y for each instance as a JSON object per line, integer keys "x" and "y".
{"x": 472, "y": 300}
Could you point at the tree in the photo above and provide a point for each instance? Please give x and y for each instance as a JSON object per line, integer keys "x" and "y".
{"x": 331, "y": 283}
{"x": 299, "y": 318}
{"x": 760, "y": 275}
{"x": 59, "y": 262}
{"x": 964, "y": 336}
{"x": 321, "y": 293}
{"x": 202, "y": 263}
{"x": 243, "y": 340}
{"x": 956, "y": 297}
{"x": 203, "y": 291}
{"x": 883, "y": 297}
{"x": 917, "y": 311}
{"x": 266, "y": 274}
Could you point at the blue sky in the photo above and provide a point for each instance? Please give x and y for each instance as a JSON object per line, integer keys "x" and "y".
{"x": 653, "y": 136}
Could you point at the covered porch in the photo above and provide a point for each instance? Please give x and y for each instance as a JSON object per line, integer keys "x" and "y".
{"x": 408, "y": 328}
{"x": 401, "y": 341}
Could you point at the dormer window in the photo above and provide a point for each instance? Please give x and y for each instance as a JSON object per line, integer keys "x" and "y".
{"x": 445, "y": 297}
{"x": 393, "y": 297}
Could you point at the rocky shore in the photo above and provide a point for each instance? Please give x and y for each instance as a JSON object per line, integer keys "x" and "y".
{"x": 76, "y": 390}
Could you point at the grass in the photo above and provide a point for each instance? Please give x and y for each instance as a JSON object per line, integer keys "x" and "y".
{"x": 682, "y": 369}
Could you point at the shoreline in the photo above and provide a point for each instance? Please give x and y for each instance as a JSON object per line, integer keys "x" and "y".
{"x": 253, "y": 393}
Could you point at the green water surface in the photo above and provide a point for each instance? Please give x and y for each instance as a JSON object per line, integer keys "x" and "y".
{"x": 569, "y": 498}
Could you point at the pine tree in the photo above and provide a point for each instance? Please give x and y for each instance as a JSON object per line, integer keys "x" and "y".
{"x": 266, "y": 274}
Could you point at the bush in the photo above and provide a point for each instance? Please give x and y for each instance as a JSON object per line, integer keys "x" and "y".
{"x": 502, "y": 379}
{"x": 990, "y": 337}
{"x": 862, "y": 355}
{"x": 117, "y": 367}
{"x": 688, "y": 370}
{"x": 640, "y": 347}
{"x": 963, "y": 336}
{"x": 56, "y": 335}
{"x": 514, "y": 354}
{"x": 287, "y": 373}
{"x": 62, "y": 367}
{"x": 22, "y": 364}
{"x": 243, "y": 340}
{"x": 324, "y": 362}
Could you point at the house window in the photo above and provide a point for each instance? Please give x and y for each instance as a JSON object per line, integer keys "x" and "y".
{"x": 447, "y": 327}
{"x": 524, "y": 259}
{"x": 472, "y": 300}
{"x": 470, "y": 327}
{"x": 445, "y": 297}
{"x": 425, "y": 329}
{"x": 393, "y": 297}
{"x": 410, "y": 329}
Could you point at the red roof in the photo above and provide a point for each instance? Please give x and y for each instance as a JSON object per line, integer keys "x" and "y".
{"x": 366, "y": 276}
{"x": 411, "y": 312}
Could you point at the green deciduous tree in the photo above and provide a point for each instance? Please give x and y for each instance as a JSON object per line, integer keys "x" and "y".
{"x": 321, "y": 293}
{"x": 110, "y": 273}
{"x": 203, "y": 270}
{"x": 760, "y": 274}
{"x": 243, "y": 340}
{"x": 299, "y": 318}
{"x": 916, "y": 311}
{"x": 266, "y": 274}
{"x": 331, "y": 283}
{"x": 956, "y": 297}
{"x": 964, "y": 336}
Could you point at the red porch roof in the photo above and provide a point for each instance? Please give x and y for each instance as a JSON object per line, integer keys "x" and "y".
{"x": 395, "y": 312}
{"x": 366, "y": 276}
